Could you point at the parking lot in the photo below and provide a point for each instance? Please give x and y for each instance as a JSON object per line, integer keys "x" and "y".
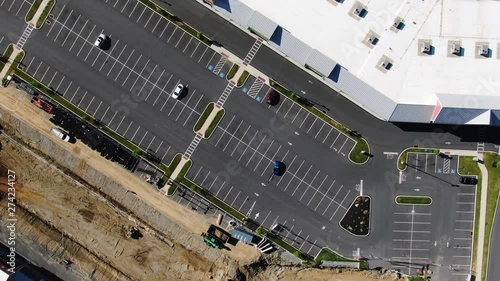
{"x": 440, "y": 234}
{"x": 18, "y": 8}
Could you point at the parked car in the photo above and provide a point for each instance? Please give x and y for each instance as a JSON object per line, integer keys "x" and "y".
{"x": 276, "y": 167}
{"x": 100, "y": 39}
{"x": 59, "y": 133}
{"x": 273, "y": 98}
{"x": 468, "y": 180}
{"x": 178, "y": 91}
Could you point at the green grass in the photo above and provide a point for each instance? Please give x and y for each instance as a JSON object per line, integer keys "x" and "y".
{"x": 232, "y": 71}
{"x": 243, "y": 78}
{"x": 176, "y": 20}
{"x": 467, "y": 166}
{"x": 415, "y": 278}
{"x": 328, "y": 255}
{"x": 402, "y": 160}
{"x": 204, "y": 117}
{"x": 33, "y": 10}
{"x": 44, "y": 14}
{"x": 493, "y": 189}
{"x": 6, "y": 55}
{"x": 215, "y": 123}
{"x": 414, "y": 200}
{"x": 361, "y": 144}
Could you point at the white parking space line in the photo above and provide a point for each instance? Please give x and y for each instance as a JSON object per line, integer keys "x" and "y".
{"x": 220, "y": 188}
{"x": 182, "y": 110}
{"x": 407, "y": 222}
{"x": 34, "y": 74}
{"x": 140, "y": 16}
{"x": 86, "y": 109}
{"x": 223, "y": 132}
{"x": 57, "y": 20}
{"x": 30, "y": 64}
{"x": 227, "y": 193}
{"x": 79, "y": 35}
{"x": 294, "y": 173}
{"x": 301, "y": 180}
{"x": 264, "y": 155}
{"x": 131, "y": 122}
{"x": 117, "y": 58}
{"x": 414, "y": 231}
{"x": 264, "y": 221}
{"x": 154, "y": 28}
{"x": 45, "y": 73}
{"x": 324, "y": 195}
{"x": 244, "y": 201}
{"x": 180, "y": 39}
{"x": 317, "y": 190}
{"x": 309, "y": 185}
{"x": 123, "y": 65}
{"x": 163, "y": 91}
{"x": 271, "y": 158}
{"x": 203, "y": 55}
{"x": 176, "y": 101}
{"x": 187, "y": 44}
{"x": 154, "y": 86}
{"x": 166, "y": 152}
{"x": 300, "y": 109}
{"x": 161, "y": 34}
{"x": 209, "y": 60}
{"x": 319, "y": 130}
{"x": 140, "y": 142}
{"x": 63, "y": 25}
{"x": 52, "y": 79}
{"x": 235, "y": 198}
{"x": 340, "y": 205}
{"x": 176, "y": 27}
{"x": 289, "y": 166}
{"x": 314, "y": 122}
{"x": 304, "y": 120}
{"x": 239, "y": 141}
{"x": 81, "y": 48}
{"x": 119, "y": 124}
{"x": 340, "y": 149}
{"x": 133, "y": 9}
{"x": 70, "y": 31}
{"x": 84, "y": 95}
{"x": 131, "y": 70}
{"x": 196, "y": 105}
{"x": 147, "y": 80}
{"x": 109, "y": 54}
{"x": 99, "y": 106}
{"x": 112, "y": 118}
{"x": 239, "y": 159}
{"x": 132, "y": 139}
{"x": 74, "y": 94}
{"x": 335, "y": 140}
{"x": 416, "y": 214}
{"x": 140, "y": 75}
{"x": 69, "y": 86}
{"x": 194, "y": 51}
{"x": 255, "y": 150}
{"x": 60, "y": 82}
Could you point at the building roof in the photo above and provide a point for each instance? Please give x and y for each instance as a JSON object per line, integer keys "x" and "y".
{"x": 362, "y": 35}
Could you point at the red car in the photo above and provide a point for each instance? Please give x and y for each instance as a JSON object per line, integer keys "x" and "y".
{"x": 273, "y": 98}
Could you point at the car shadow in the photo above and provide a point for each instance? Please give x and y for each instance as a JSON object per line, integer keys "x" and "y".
{"x": 106, "y": 44}
{"x": 184, "y": 93}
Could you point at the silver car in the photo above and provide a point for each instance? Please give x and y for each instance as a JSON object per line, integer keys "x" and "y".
{"x": 100, "y": 39}
{"x": 60, "y": 134}
{"x": 178, "y": 91}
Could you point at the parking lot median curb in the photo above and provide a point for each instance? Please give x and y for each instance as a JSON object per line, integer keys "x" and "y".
{"x": 204, "y": 131}
{"x": 11, "y": 61}
{"x": 42, "y": 12}
{"x": 177, "y": 170}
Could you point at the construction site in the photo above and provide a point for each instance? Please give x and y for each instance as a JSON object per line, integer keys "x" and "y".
{"x": 84, "y": 217}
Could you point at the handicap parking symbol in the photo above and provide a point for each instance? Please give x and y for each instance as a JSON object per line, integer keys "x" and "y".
{"x": 245, "y": 90}
{"x": 453, "y": 171}
{"x": 221, "y": 75}
{"x": 210, "y": 67}
{"x": 258, "y": 99}
{"x": 439, "y": 170}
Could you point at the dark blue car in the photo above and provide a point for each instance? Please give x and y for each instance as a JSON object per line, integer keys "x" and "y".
{"x": 276, "y": 168}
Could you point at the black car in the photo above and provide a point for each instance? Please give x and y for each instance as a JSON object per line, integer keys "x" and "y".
{"x": 468, "y": 180}
{"x": 273, "y": 98}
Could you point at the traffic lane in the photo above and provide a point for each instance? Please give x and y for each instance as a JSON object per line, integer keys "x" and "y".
{"x": 110, "y": 93}
{"x": 272, "y": 204}
{"x": 209, "y": 23}
{"x": 149, "y": 45}
{"x": 494, "y": 251}
{"x": 12, "y": 28}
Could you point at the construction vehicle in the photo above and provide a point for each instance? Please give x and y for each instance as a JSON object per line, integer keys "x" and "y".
{"x": 42, "y": 104}
{"x": 215, "y": 236}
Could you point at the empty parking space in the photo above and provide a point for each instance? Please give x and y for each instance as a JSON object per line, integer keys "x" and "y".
{"x": 18, "y": 8}
{"x": 432, "y": 163}
{"x": 411, "y": 242}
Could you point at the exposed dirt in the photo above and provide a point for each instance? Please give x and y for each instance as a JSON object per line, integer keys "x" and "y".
{"x": 77, "y": 211}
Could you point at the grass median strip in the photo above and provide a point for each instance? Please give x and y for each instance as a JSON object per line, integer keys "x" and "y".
{"x": 203, "y": 117}
{"x": 44, "y": 14}
{"x": 413, "y": 200}
{"x": 6, "y": 55}
{"x": 492, "y": 162}
{"x": 232, "y": 71}
{"x": 32, "y": 11}
{"x": 243, "y": 78}
{"x": 356, "y": 154}
{"x": 215, "y": 123}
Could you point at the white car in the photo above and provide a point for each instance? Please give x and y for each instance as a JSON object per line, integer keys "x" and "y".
{"x": 100, "y": 39}
{"x": 59, "y": 133}
{"x": 178, "y": 91}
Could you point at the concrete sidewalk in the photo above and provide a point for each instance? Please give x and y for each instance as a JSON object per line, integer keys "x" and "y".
{"x": 174, "y": 175}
